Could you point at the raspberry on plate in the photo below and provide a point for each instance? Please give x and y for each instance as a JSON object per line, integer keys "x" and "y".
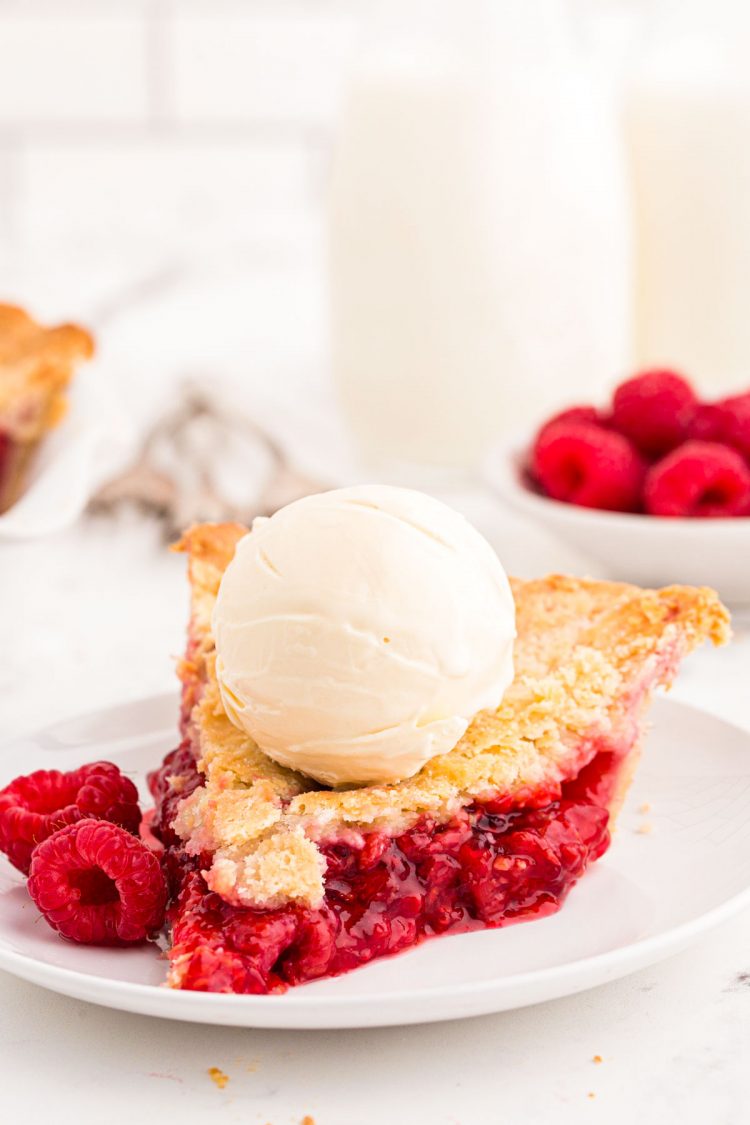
{"x": 654, "y": 410}
{"x": 95, "y": 883}
{"x": 36, "y": 805}
{"x": 701, "y": 478}
{"x": 586, "y": 465}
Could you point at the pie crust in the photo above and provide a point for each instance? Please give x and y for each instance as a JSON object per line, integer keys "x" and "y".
{"x": 36, "y": 366}
{"x": 261, "y": 838}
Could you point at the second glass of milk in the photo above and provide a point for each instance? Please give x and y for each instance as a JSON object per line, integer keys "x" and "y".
{"x": 688, "y": 130}
{"x": 479, "y": 231}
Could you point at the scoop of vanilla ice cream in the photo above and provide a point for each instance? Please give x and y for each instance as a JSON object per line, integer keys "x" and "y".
{"x": 359, "y": 631}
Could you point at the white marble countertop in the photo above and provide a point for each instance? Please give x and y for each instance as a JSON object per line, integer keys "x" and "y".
{"x": 95, "y": 614}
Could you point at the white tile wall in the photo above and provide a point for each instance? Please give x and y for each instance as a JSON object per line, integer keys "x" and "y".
{"x": 79, "y": 67}
{"x": 138, "y": 203}
{"x": 170, "y": 192}
{"x": 8, "y": 193}
{"x": 151, "y": 119}
{"x": 245, "y": 66}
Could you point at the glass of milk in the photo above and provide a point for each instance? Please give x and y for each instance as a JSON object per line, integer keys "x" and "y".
{"x": 480, "y": 244}
{"x": 688, "y": 131}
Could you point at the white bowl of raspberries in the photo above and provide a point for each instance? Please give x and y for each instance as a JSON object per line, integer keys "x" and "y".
{"x": 656, "y": 487}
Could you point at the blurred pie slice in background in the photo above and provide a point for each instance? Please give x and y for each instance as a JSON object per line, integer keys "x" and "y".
{"x": 36, "y": 367}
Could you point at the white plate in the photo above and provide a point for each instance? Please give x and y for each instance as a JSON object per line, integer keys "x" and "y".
{"x": 87, "y": 446}
{"x": 651, "y": 895}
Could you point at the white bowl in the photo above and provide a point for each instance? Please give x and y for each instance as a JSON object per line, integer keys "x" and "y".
{"x": 646, "y": 550}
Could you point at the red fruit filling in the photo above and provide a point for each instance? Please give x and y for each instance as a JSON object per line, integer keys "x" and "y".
{"x": 176, "y": 778}
{"x": 654, "y": 410}
{"x": 96, "y": 883}
{"x": 491, "y": 865}
{"x": 700, "y": 479}
{"x": 586, "y": 465}
{"x": 8, "y": 457}
{"x": 35, "y": 806}
{"x": 5, "y": 444}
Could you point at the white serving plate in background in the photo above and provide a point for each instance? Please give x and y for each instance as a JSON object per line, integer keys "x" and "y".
{"x": 650, "y": 896}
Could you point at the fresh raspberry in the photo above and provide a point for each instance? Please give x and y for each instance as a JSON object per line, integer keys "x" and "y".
{"x": 35, "y": 806}
{"x": 586, "y": 415}
{"x": 582, "y": 464}
{"x": 708, "y": 423}
{"x": 701, "y": 478}
{"x": 654, "y": 410}
{"x": 735, "y": 413}
{"x": 96, "y": 884}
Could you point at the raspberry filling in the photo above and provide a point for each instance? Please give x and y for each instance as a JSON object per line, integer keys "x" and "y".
{"x": 8, "y": 457}
{"x": 5, "y": 448}
{"x": 491, "y": 865}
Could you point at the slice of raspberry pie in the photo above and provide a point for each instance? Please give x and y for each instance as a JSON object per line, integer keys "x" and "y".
{"x": 36, "y": 366}
{"x": 276, "y": 880}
